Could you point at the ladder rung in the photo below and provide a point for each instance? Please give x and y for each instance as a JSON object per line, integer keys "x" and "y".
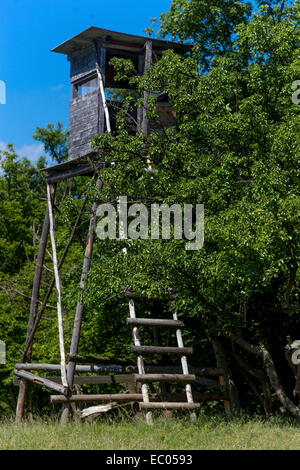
{"x": 169, "y": 405}
{"x": 155, "y": 322}
{"x": 161, "y": 350}
{"x": 175, "y": 397}
{"x": 164, "y": 378}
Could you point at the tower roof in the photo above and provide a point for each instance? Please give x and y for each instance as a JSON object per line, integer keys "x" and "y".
{"x": 114, "y": 39}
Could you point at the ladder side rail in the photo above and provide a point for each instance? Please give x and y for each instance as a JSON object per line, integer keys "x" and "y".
{"x": 140, "y": 361}
{"x": 185, "y": 368}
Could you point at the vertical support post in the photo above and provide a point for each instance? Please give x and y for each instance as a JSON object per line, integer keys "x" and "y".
{"x": 33, "y": 308}
{"x": 103, "y": 109}
{"x": 225, "y": 402}
{"x": 148, "y": 64}
{"x": 231, "y": 406}
{"x": 102, "y": 92}
{"x": 185, "y": 369}
{"x": 74, "y": 91}
{"x": 140, "y": 362}
{"x": 79, "y": 309}
{"x": 102, "y": 64}
{"x": 140, "y": 109}
{"x": 58, "y": 290}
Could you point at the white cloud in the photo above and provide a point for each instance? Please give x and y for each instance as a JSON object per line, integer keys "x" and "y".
{"x": 32, "y": 152}
{"x": 2, "y": 145}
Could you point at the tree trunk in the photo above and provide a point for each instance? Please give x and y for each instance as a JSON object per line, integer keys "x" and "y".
{"x": 266, "y": 357}
{"x": 229, "y": 384}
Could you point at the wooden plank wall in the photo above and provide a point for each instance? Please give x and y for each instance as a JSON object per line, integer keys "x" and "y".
{"x": 84, "y": 123}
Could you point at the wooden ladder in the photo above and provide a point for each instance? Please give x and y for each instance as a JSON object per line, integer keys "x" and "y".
{"x": 141, "y": 377}
{"x": 144, "y": 378}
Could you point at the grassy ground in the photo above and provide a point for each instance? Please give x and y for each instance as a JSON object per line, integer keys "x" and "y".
{"x": 206, "y": 433}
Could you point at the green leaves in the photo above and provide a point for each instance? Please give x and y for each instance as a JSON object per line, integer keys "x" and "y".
{"x": 209, "y": 24}
{"x": 19, "y": 208}
{"x": 235, "y": 149}
{"x": 55, "y": 140}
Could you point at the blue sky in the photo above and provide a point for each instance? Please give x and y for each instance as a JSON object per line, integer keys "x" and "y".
{"x": 37, "y": 80}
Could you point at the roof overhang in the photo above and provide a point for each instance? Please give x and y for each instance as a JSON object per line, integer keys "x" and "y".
{"x": 88, "y": 37}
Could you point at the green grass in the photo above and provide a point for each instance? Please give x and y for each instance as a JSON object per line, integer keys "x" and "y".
{"x": 206, "y": 433}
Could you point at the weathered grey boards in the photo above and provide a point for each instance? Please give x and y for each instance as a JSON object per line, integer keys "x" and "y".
{"x": 86, "y": 121}
{"x": 96, "y": 45}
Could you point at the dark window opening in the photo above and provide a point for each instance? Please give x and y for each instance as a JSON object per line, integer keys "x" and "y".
{"x": 85, "y": 87}
{"x": 88, "y": 87}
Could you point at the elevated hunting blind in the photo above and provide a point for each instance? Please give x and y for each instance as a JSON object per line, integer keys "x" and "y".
{"x": 92, "y": 112}
{"x": 90, "y": 51}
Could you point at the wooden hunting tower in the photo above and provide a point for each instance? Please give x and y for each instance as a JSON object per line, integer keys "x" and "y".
{"x": 92, "y": 113}
{"x": 94, "y": 48}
